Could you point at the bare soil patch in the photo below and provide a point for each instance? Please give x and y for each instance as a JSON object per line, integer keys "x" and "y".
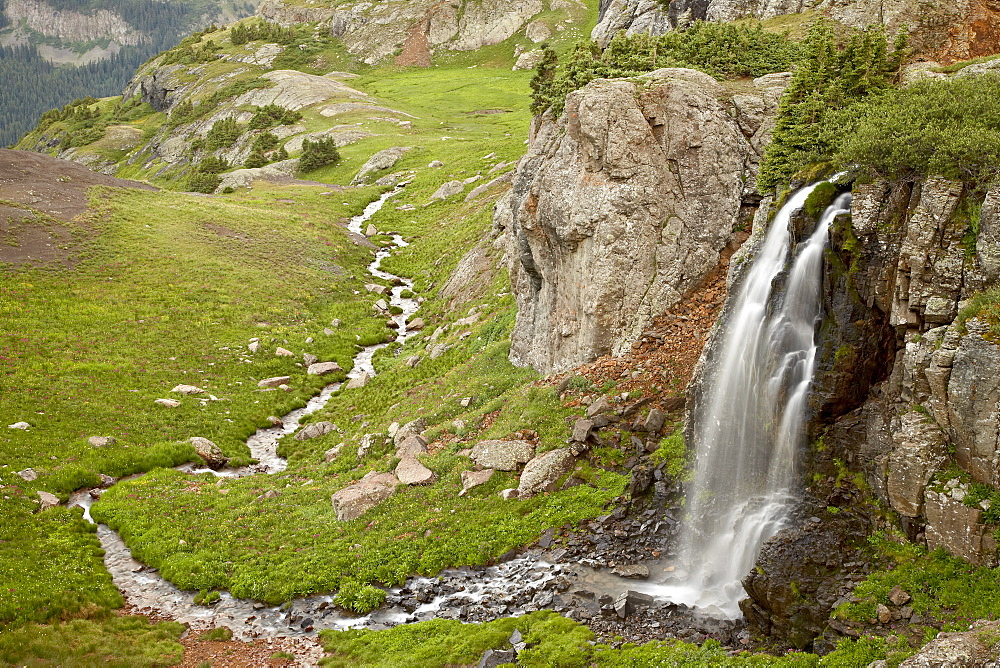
{"x": 39, "y": 196}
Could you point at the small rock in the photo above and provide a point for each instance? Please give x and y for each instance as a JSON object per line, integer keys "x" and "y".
{"x": 381, "y": 306}
{"x": 543, "y": 472}
{"x": 447, "y": 190}
{"x": 884, "y": 614}
{"x": 654, "y": 421}
{"x": 101, "y": 441}
{"x": 253, "y": 346}
{"x": 601, "y": 405}
{"x": 416, "y": 324}
{"x": 47, "y": 500}
{"x": 410, "y": 471}
{"x": 496, "y": 657}
{"x": 309, "y": 339}
{"x": 417, "y": 427}
{"x": 472, "y": 479}
{"x": 308, "y": 359}
{"x": 371, "y": 230}
{"x": 437, "y": 350}
{"x": 633, "y": 572}
{"x": 315, "y": 430}
{"x": 581, "y": 429}
{"x": 274, "y": 382}
{"x": 508, "y": 494}
{"x": 435, "y": 164}
{"x": 209, "y": 452}
{"x": 187, "y": 389}
{"x": 413, "y": 361}
{"x": 284, "y": 388}
{"x": 352, "y": 502}
{"x": 359, "y": 382}
{"x": 376, "y": 288}
{"x": 629, "y": 602}
{"x": 169, "y": 403}
{"x": 327, "y": 331}
{"x": 332, "y": 453}
{"x": 28, "y": 474}
{"x": 283, "y": 352}
{"x": 335, "y": 322}
{"x": 897, "y": 596}
{"x": 323, "y": 368}
{"x": 19, "y": 425}
{"x": 466, "y": 402}
{"x": 412, "y": 445}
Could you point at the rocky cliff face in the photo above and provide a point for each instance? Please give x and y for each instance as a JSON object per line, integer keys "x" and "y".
{"x": 624, "y": 204}
{"x": 906, "y": 391}
{"x": 950, "y": 31}
{"x": 70, "y": 26}
{"x": 412, "y": 31}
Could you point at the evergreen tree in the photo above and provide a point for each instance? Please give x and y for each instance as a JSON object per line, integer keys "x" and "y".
{"x": 318, "y": 154}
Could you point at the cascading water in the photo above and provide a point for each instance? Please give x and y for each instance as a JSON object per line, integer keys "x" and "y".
{"x": 750, "y": 424}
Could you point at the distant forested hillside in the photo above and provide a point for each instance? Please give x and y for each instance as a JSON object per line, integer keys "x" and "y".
{"x": 32, "y": 85}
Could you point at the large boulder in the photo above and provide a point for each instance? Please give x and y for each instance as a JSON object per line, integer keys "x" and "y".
{"x": 543, "y": 472}
{"x": 381, "y": 161}
{"x": 622, "y": 207}
{"x": 502, "y": 455}
{"x": 209, "y": 451}
{"x": 352, "y": 502}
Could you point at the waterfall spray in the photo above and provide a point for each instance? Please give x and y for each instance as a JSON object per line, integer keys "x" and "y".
{"x": 749, "y": 427}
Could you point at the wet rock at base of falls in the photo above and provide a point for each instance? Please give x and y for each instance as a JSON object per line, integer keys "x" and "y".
{"x": 273, "y": 382}
{"x": 323, "y": 368}
{"x": 28, "y": 474}
{"x": 543, "y": 472}
{"x": 411, "y": 428}
{"x": 187, "y": 389}
{"x": 410, "y": 471}
{"x": 632, "y": 572}
{"x": 472, "y": 479}
{"x": 168, "y": 403}
{"x": 209, "y": 451}
{"x": 352, "y": 502}
{"x": 414, "y": 444}
{"x": 502, "y": 455}
{"x": 359, "y": 382}
{"x": 101, "y": 441}
{"x": 47, "y": 500}
{"x": 800, "y": 575}
{"x": 640, "y": 480}
{"x": 315, "y": 430}
{"x": 283, "y": 352}
{"x": 630, "y": 602}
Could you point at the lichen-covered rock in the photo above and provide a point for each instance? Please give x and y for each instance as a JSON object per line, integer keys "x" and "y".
{"x": 353, "y": 501}
{"x": 618, "y": 211}
{"x": 502, "y": 455}
{"x": 543, "y": 472}
{"x": 974, "y": 404}
{"x": 975, "y": 648}
{"x": 959, "y": 529}
{"x": 920, "y": 450}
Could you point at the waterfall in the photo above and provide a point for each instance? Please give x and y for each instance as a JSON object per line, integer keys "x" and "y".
{"x": 749, "y": 426}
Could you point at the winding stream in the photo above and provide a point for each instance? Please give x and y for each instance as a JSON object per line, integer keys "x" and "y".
{"x": 147, "y": 591}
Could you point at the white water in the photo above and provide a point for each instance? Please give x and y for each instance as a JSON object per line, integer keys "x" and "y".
{"x": 749, "y": 426}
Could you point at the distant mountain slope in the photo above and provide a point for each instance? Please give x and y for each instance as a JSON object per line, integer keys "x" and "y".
{"x": 106, "y": 40}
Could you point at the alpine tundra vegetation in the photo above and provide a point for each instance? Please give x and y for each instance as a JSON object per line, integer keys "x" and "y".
{"x": 392, "y": 334}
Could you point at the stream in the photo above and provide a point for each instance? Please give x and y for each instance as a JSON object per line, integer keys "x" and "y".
{"x": 517, "y": 586}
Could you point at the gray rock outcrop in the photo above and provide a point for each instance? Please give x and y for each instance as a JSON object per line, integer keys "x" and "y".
{"x": 623, "y": 205}
{"x": 384, "y": 159}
